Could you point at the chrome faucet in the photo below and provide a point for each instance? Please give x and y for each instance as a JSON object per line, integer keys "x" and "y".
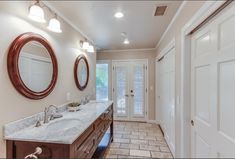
{"x": 52, "y": 115}
{"x": 85, "y": 100}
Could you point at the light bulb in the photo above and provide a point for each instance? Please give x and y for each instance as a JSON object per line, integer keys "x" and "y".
{"x": 85, "y": 45}
{"x": 126, "y": 41}
{"x": 91, "y": 49}
{"x": 54, "y": 25}
{"x": 36, "y": 13}
{"x": 119, "y": 15}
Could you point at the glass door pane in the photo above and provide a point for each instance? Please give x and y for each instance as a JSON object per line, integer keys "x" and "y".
{"x": 138, "y": 89}
{"x": 121, "y": 89}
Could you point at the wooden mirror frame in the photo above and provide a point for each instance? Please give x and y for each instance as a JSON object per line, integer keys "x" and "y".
{"x": 80, "y": 57}
{"x": 13, "y": 69}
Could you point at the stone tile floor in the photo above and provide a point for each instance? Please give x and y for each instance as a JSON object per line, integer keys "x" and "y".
{"x": 137, "y": 140}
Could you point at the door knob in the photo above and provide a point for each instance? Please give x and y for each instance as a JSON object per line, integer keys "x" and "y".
{"x": 192, "y": 122}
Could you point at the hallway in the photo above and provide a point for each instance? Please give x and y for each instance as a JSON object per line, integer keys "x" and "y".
{"x": 137, "y": 140}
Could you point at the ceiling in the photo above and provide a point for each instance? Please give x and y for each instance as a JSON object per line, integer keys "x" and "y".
{"x": 96, "y": 20}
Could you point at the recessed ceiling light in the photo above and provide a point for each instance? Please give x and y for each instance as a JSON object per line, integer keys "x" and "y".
{"x": 119, "y": 15}
{"x": 126, "y": 41}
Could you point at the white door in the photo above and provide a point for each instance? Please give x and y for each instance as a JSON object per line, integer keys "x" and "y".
{"x": 213, "y": 87}
{"x": 129, "y": 89}
{"x": 166, "y": 96}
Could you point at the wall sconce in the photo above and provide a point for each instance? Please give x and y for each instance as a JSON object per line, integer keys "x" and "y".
{"x": 54, "y": 25}
{"x": 36, "y": 13}
{"x": 91, "y": 49}
{"x": 85, "y": 45}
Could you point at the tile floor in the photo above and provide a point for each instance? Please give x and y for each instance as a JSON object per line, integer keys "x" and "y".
{"x": 137, "y": 140}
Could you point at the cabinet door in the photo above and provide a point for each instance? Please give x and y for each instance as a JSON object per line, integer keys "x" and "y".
{"x": 48, "y": 150}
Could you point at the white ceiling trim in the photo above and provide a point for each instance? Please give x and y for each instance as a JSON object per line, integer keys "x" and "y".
{"x": 68, "y": 21}
{"x": 128, "y": 50}
{"x": 171, "y": 23}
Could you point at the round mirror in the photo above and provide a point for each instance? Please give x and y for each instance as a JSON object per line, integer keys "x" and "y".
{"x": 35, "y": 66}
{"x": 81, "y": 72}
{"x": 32, "y": 66}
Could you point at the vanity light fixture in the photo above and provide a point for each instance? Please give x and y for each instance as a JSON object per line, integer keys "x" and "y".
{"x": 54, "y": 25}
{"x": 36, "y": 13}
{"x": 126, "y": 41}
{"x": 91, "y": 49}
{"x": 118, "y": 15}
{"x": 85, "y": 45}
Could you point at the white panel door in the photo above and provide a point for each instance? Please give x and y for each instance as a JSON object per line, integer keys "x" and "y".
{"x": 166, "y": 96}
{"x": 213, "y": 87}
{"x": 129, "y": 89}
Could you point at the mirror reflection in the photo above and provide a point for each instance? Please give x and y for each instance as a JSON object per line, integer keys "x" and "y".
{"x": 82, "y": 72}
{"x": 35, "y": 66}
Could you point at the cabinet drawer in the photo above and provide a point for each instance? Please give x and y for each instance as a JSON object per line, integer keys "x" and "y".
{"x": 87, "y": 149}
{"x": 48, "y": 150}
{"x": 84, "y": 136}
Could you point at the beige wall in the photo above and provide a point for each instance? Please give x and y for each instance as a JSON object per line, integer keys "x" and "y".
{"x": 141, "y": 54}
{"x": 185, "y": 15}
{"x": 13, "y": 106}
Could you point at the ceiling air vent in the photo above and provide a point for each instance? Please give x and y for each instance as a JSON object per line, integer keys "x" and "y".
{"x": 160, "y": 10}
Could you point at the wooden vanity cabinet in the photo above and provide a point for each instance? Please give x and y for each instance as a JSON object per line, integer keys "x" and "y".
{"x": 85, "y": 146}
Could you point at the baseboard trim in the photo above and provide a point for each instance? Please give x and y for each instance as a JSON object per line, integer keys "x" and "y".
{"x": 152, "y": 121}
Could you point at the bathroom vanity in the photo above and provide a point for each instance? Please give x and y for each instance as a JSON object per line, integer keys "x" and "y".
{"x": 83, "y": 134}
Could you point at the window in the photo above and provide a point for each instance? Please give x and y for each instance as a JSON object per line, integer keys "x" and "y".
{"x": 102, "y": 81}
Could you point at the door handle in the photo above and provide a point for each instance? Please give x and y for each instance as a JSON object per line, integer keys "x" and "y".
{"x": 132, "y": 95}
{"x": 126, "y": 95}
{"x": 192, "y": 122}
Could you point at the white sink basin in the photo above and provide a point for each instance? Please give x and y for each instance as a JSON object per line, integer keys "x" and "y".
{"x": 64, "y": 124}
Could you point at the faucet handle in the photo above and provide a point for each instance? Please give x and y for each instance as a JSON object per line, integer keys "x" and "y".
{"x": 38, "y": 123}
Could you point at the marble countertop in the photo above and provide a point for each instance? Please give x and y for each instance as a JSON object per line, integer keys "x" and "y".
{"x": 63, "y": 130}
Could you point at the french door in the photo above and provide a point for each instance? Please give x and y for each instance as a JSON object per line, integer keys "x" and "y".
{"x": 213, "y": 88}
{"x": 130, "y": 89}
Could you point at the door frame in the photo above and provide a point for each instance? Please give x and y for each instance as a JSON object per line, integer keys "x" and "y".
{"x": 183, "y": 108}
{"x": 146, "y": 87}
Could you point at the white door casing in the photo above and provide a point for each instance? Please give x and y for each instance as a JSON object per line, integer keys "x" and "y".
{"x": 135, "y": 94}
{"x": 213, "y": 87}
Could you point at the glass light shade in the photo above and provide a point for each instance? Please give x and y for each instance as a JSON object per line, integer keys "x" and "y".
{"x": 36, "y": 13}
{"x": 54, "y": 25}
{"x": 119, "y": 15}
{"x": 91, "y": 49}
{"x": 85, "y": 45}
{"x": 126, "y": 41}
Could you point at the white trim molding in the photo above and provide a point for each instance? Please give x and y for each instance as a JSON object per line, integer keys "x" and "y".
{"x": 166, "y": 49}
{"x": 183, "y": 110}
{"x": 127, "y": 50}
{"x": 171, "y": 23}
